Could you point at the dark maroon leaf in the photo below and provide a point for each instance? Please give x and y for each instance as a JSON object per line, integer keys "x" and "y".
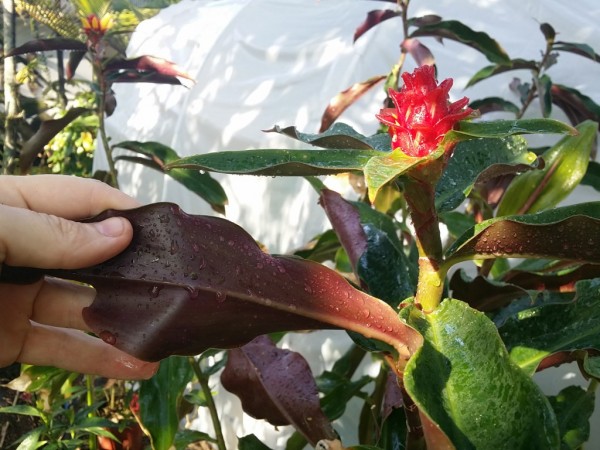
{"x": 393, "y": 396}
{"x": 48, "y": 129}
{"x": 75, "y": 58}
{"x": 188, "y": 283}
{"x": 548, "y": 32}
{"x": 278, "y": 386}
{"x": 344, "y": 99}
{"x": 44, "y": 45}
{"x": 579, "y": 49}
{"x": 420, "y": 53}
{"x": 493, "y": 104}
{"x": 146, "y": 64}
{"x": 563, "y": 281}
{"x": 577, "y": 106}
{"x": 345, "y": 220}
{"x": 374, "y": 18}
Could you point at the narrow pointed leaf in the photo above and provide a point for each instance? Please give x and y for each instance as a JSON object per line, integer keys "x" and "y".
{"x": 44, "y": 45}
{"x": 374, "y": 18}
{"x": 457, "y": 31}
{"x": 580, "y": 49}
{"x": 504, "y": 128}
{"x": 279, "y": 162}
{"x": 147, "y": 64}
{"x": 346, "y": 98}
{"x": 577, "y": 106}
{"x": 462, "y": 365}
{"x": 533, "y": 334}
{"x": 494, "y": 104}
{"x": 479, "y": 160}
{"x": 175, "y": 289}
{"x": 592, "y": 175}
{"x": 276, "y": 385}
{"x": 420, "y": 53}
{"x": 561, "y": 280}
{"x": 201, "y": 184}
{"x": 573, "y": 407}
{"x": 495, "y": 69}
{"x": 544, "y": 87}
{"x": 565, "y": 165}
{"x": 160, "y": 398}
{"x": 339, "y": 136}
{"x": 570, "y": 233}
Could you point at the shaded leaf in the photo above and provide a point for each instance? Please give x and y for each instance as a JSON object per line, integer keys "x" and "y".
{"x": 573, "y": 407}
{"x": 559, "y": 280}
{"x": 184, "y": 438}
{"x": 505, "y": 128}
{"x": 44, "y": 45}
{"x": 346, "y": 98}
{"x": 565, "y": 233}
{"x": 494, "y": 104}
{"x": 278, "y": 162}
{"x": 420, "y": 53}
{"x": 462, "y": 365}
{"x": 375, "y": 18}
{"x": 345, "y": 221}
{"x": 74, "y": 59}
{"x": 565, "y": 165}
{"x": 535, "y": 333}
{"x": 159, "y": 399}
{"x": 577, "y": 106}
{"x": 580, "y": 49}
{"x": 544, "y": 87}
{"x": 548, "y": 32}
{"x": 177, "y": 285}
{"x": 251, "y": 442}
{"x": 338, "y": 391}
{"x": 339, "y": 136}
{"x": 495, "y": 69}
{"x": 48, "y": 129}
{"x": 323, "y": 248}
{"x": 276, "y": 385}
{"x": 457, "y": 31}
{"x": 202, "y": 184}
{"x": 592, "y": 175}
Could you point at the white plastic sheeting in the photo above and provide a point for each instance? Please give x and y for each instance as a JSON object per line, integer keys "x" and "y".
{"x": 258, "y": 63}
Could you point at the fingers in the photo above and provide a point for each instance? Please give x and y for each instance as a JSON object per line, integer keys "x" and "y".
{"x": 64, "y": 196}
{"x": 78, "y": 352}
{"x": 45, "y": 241}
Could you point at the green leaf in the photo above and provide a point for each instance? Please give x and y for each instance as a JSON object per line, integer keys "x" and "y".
{"x": 592, "y": 175}
{"x": 251, "y": 442}
{"x": 339, "y": 136}
{"x": 457, "y": 31}
{"x": 339, "y": 391}
{"x": 580, "y": 49}
{"x": 279, "y": 162}
{"x": 159, "y": 399}
{"x": 491, "y": 104}
{"x": 464, "y": 381}
{"x": 31, "y": 440}
{"x": 495, "y": 69}
{"x": 570, "y": 232}
{"x": 565, "y": 165}
{"x": 504, "y": 128}
{"x": 535, "y": 333}
{"x": 202, "y": 184}
{"x": 479, "y": 160}
{"x": 456, "y": 222}
{"x": 573, "y": 407}
{"x": 383, "y": 168}
{"x": 184, "y": 438}
{"x": 24, "y": 410}
{"x": 591, "y": 365}
{"x": 544, "y": 86}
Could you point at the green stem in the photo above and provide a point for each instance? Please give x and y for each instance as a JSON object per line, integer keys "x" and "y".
{"x": 210, "y": 403}
{"x": 102, "y": 128}
{"x": 420, "y": 197}
{"x": 89, "y": 386}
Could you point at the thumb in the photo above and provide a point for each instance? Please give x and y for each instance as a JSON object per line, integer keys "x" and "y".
{"x": 32, "y": 239}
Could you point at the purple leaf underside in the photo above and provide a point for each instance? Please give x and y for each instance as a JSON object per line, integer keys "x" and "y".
{"x": 187, "y": 283}
{"x": 276, "y": 385}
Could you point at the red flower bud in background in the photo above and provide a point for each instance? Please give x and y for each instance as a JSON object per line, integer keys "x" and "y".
{"x": 95, "y": 27}
{"x": 423, "y": 113}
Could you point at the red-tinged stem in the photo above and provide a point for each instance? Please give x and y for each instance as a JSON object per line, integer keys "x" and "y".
{"x": 420, "y": 197}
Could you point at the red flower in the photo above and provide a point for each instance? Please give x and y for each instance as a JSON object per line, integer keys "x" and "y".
{"x": 423, "y": 113}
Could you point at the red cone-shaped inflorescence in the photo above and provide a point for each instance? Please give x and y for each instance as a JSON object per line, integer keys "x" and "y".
{"x": 423, "y": 113}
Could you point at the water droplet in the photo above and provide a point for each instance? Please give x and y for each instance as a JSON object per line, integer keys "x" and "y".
{"x": 221, "y": 296}
{"x": 108, "y": 337}
{"x": 194, "y": 276}
{"x": 308, "y": 289}
{"x": 174, "y": 247}
{"x": 154, "y": 291}
{"x": 195, "y": 247}
{"x": 366, "y": 313}
{"x": 230, "y": 243}
{"x": 281, "y": 269}
{"x": 193, "y": 291}
{"x": 259, "y": 265}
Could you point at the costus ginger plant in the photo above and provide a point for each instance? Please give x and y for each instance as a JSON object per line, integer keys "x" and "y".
{"x": 457, "y": 353}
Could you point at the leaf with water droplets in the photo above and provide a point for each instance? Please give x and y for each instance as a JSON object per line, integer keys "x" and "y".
{"x": 187, "y": 283}
{"x": 276, "y": 385}
{"x": 568, "y": 233}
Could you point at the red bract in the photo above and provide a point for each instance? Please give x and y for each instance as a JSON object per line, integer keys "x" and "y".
{"x": 423, "y": 113}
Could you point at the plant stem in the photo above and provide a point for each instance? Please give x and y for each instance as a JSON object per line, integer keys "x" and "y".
{"x": 89, "y": 386}
{"x": 420, "y": 197}
{"x": 102, "y": 128}
{"x": 210, "y": 403}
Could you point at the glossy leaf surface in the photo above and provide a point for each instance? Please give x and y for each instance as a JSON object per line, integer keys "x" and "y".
{"x": 505, "y": 128}
{"x": 183, "y": 278}
{"x": 489, "y": 71}
{"x": 565, "y": 165}
{"x": 276, "y": 385}
{"x": 570, "y": 232}
{"x": 159, "y": 155}
{"x": 464, "y": 381}
{"x": 535, "y": 333}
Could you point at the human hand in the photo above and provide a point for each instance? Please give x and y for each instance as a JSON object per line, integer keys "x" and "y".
{"x": 41, "y": 323}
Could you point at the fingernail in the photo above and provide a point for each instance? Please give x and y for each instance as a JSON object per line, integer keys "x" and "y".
{"x": 112, "y": 227}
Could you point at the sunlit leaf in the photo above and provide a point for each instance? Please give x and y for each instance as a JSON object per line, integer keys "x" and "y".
{"x": 461, "y": 366}
{"x": 566, "y": 163}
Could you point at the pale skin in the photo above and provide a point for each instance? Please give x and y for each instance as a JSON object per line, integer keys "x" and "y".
{"x": 41, "y": 323}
